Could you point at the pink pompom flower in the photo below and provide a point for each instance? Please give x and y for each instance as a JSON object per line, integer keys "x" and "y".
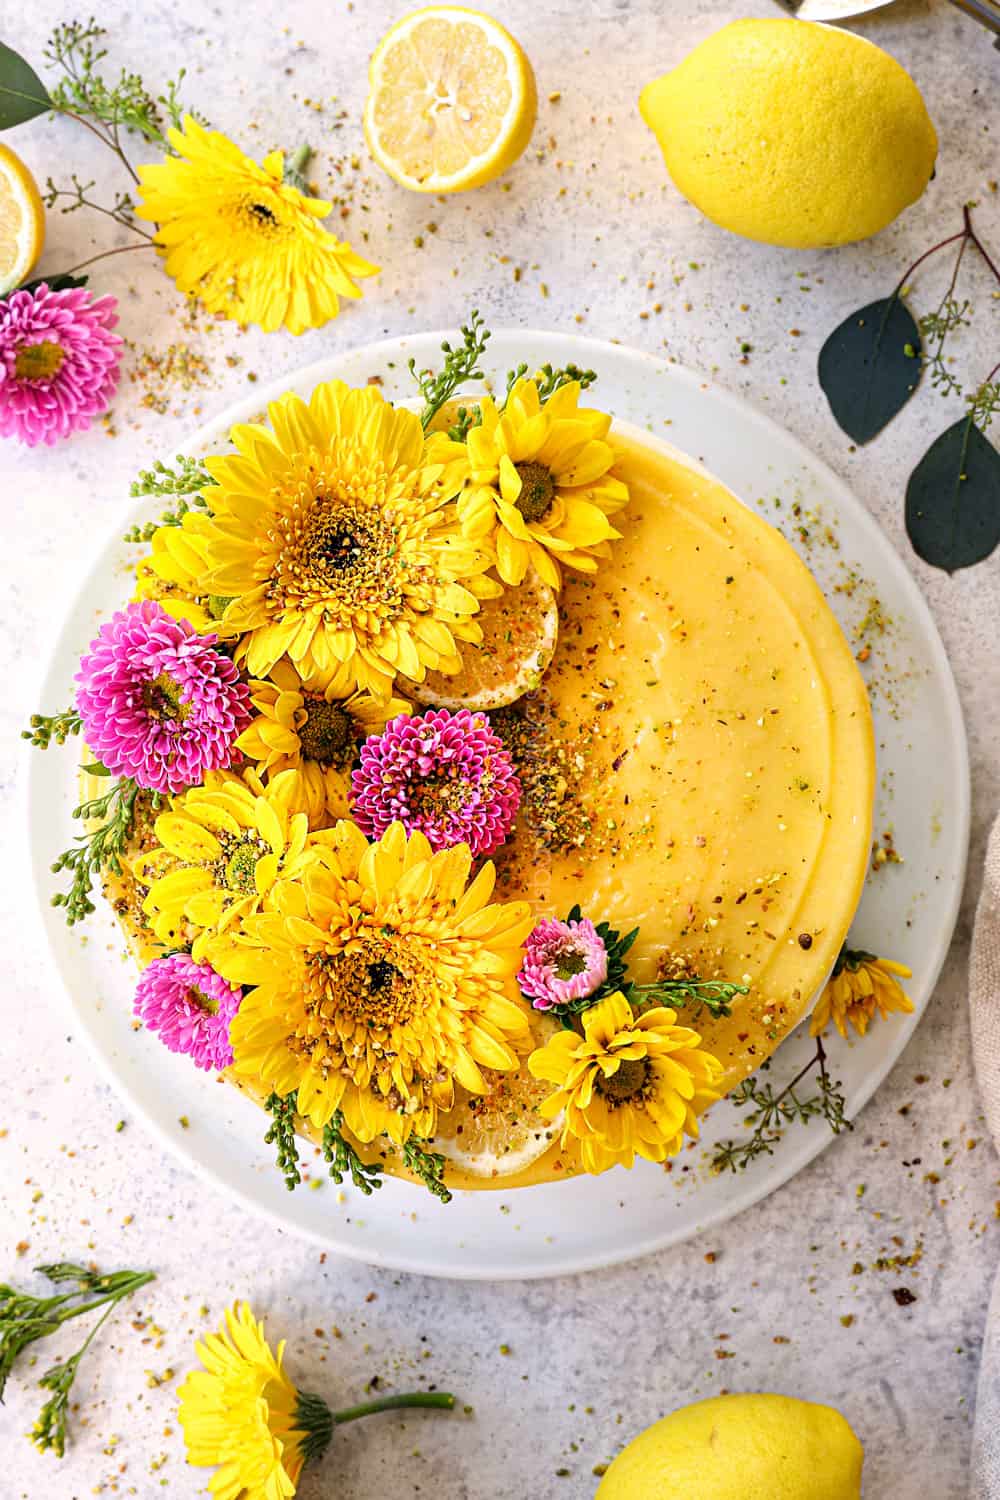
{"x": 190, "y": 1007}
{"x": 563, "y": 962}
{"x": 58, "y": 362}
{"x": 445, "y": 774}
{"x": 158, "y": 702}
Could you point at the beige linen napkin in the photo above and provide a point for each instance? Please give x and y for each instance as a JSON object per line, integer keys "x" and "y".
{"x": 984, "y": 1003}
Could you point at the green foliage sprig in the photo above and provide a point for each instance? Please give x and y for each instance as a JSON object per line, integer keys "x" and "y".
{"x": 460, "y": 368}
{"x": 281, "y": 1135}
{"x": 25, "y": 1319}
{"x": 426, "y": 1165}
{"x": 185, "y": 483}
{"x": 870, "y": 367}
{"x": 44, "y": 728}
{"x": 770, "y": 1112}
{"x": 100, "y": 848}
{"x": 76, "y": 50}
{"x": 343, "y": 1161}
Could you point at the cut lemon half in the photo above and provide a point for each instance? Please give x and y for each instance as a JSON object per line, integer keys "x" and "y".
{"x": 499, "y": 1133}
{"x": 22, "y": 221}
{"x": 520, "y": 629}
{"x": 451, "y": 100}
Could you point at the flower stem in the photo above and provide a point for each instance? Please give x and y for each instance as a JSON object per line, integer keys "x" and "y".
{"x": 438, "y": 1399}
{"x": 122, "y": 249}
{"x": 295, "y": 168}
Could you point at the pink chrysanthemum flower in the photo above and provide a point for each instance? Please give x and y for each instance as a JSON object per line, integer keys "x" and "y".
{"x": 58, "y": 362}
{"x": 446, "y": 774}
{"x": 190, "y": 1007}
{"x": 563, "y": 961}
{"x": 158, "y": 702}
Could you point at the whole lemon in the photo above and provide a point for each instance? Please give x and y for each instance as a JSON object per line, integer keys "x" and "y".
{"x": 793, "y": 133}
{"x": 740, "y": 1448}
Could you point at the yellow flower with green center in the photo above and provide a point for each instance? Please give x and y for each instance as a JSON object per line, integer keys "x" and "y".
{"x": 381, "y": 979}
{"x": 173, "y": 573}
{"x": 240, "y": 1412}
{"x": 541, "y": 484}
{"x": 860, "y": 985}
{"x": 247, "y": 244}
{"x": 630, "y": 1085}
{"x": 217, "y": 854}
{"x": 334, "y": 536}
{"x": 314, "y": 733}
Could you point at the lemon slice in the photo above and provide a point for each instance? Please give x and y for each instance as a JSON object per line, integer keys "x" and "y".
{"x": 500, "y": 1133}
{"x": 22, "y": 221}
{"x": 451, "y": 100}
{"x": 520, "y": 630}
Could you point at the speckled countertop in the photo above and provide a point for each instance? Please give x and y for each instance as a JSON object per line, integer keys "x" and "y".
{"x": 585, "y": 235}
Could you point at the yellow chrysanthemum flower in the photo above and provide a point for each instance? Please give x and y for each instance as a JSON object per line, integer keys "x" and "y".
{"x": 630, "y": 1085}
{"x": 541, "y": 485}
{"x": 247, "y": 244}
{"x": 859, "y": 985}
{"x": 334, "y": 536}
{"x": 240, "y": 1413}
{"x": 313, "y": 732}
{"x": 173, "y": 573}
{"x": 218, "y": 852}
{"x": 381, "y": 980}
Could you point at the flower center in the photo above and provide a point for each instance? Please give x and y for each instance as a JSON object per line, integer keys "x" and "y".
{"x": 629, "y": 1082}
{"x": 568, "y": 962}
{"x": 204, "y": 1002}
{"x": 262, "y": 216}
{"x": 39, "y": 361}
{"x": 241, "y": 867}
{"x": 364, "y": 988}
{"x": 162, "y": 700}
{"x": 327, "y": 731}
{"x": 537, "y": 491}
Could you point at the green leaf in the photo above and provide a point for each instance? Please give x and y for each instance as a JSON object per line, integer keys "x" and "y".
{"x": 94, "y": 768}
{"x": 23, "y": 95}
{"x": 61, "y": 282}
{"x": 953, "y": 499}
{"x": 870, "y": 366}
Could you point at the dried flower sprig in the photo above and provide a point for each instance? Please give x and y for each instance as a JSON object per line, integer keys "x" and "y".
{"x": 25, "y": 1319}
{"x": 770, "y": 1112}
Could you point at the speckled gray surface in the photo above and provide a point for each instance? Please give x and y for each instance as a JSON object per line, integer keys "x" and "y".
{"x": 586, "y": 234}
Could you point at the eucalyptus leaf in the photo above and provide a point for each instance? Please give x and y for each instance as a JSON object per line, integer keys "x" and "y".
{"x": 870, "y": 366}
{"x": 23, "y": 95}
{"x": 953, "y": 499}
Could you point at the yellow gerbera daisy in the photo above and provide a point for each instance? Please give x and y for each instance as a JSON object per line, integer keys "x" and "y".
{"x": 240, "y": 1413}
{"x": 334, "y": 536}
{"x": 382, "y": 980}
{"x": 541, "y": 485}
{"x": 218, "y": 852}
{"x": 173, "y": 573}
{"x": 313, "y": 732}
{"x": 246, "y": 243}
{"x": 859, "y": 985}
{"x": 631, "y": 1084}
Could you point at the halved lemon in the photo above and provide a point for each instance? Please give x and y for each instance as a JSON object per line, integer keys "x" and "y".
{"x": 22, "y": 221}
{"x": 520, "y": 629}
{"x": 451, "y": 100}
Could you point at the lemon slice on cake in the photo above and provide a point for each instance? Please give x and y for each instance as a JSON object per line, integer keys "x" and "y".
{"x": 451, "y": 100}
{"x": 520, "y": 629}
{"x": 22, "y": 221}
{"x": 499, "y": 1133}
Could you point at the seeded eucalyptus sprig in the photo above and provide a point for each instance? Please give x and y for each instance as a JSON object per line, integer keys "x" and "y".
{"x": 428, "y": 1166}
{"x": 461, "y": 367}
{"x": 344, "y": 1161}
{"x": 771, "y": 1112}
{"x": 25, "y": 1319}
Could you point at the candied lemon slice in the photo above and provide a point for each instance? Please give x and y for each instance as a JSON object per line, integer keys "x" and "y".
{"x": 451, "y": 100}
{"x": 499, "y": 1133}
{"x": 520, "y": 629}
{"x": 22, "y": 221}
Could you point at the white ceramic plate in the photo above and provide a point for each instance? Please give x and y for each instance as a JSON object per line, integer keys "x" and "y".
{"x": 908, "y": 910}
